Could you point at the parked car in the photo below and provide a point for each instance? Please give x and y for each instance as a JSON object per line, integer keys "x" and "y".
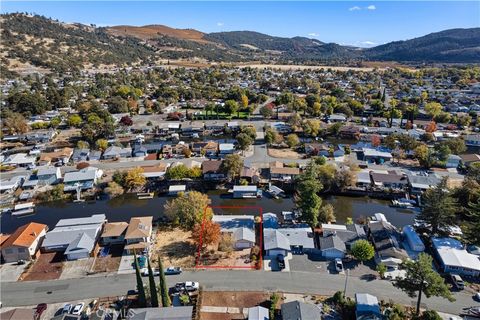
{"x": 477, "y": 296}
{"x": 132, "y": 292}
{"x": 457, "y": 281}
{"x": 173, "y": 270}
{"x": 144, "y": 272}
{"x": 39, "y": 309}
{"x": 78, "y": 308}
{"x": 67, "y": 308}
{"x": 187, "y": 285}
{"x": 281, "y": 261}
{"x": 21, "y": 261}
{"x": 338, "y": 265}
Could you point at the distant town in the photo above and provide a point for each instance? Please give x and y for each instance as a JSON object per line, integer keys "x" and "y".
{"x": 222, "y": 192}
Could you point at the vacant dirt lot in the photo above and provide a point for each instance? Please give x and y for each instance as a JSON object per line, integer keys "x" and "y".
{"x": 176, "y": 247}
{"x": 110, "y": 262}
{"x": 48, "y": 266}
{"x": 239, "y": 300}
{"x": 284, "y": 153}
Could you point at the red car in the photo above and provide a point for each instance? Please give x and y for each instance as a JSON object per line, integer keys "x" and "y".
{"x": 39, "y": 309}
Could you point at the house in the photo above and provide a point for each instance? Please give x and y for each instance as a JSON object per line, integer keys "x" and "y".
{"x": 472, "y": 140}
{"x": 212, "y": 170}
{"x": 138, "y": 234}
{"x": 297, "y": 310}
{"x": 208, "y": 148}
{"x": 84, "y": 179}
{"x": 58, "y": 156}
{"x": 453, "y": 258}
{"x": 114, "y": 233}
{"x": 173, "y": 313}
{"x": 332, "y": 247}
{"x": 390, "y": 180}
{"x": 413, "y": 239}
{"x": 421, "y": 183}
{"x": 363, "y": 179}
{"x": 286, "y": 174}
{"x": 75, "y": 237}
{"x": 226, "y": 148}
{"x": 95, "y": 155}
{"x": 48, "y": 175}
{"x": 337, "y": 117}
{"x": 31, "y": 182}
{"x": 12, "y": 184}
{"x": 243, "y": 192}
{"x": 243, "y": 238}
{"x": 40, "y": 136}
{"x": 300, "y": 239}
{"x": 349, "y": 132}
{"x": 180, "y": 148}
{"x": 154, "y": 172}
{"x": 175, "y": 190}
{"x": 386, "y": 240}
{"x": 375, "y": 156}
{"x": 337, "y": 151}
{"x": 469, "y": 159}
{"x": 252, "y": 175}
{"x": 142, "y": 149}
{"x": 20, "y": 160}
{"x": 230, "y": 223}
{"x": 258, "y": 313}
{"x": 115, "y": 152}
{"x": 453, "y": 161}
{"x": 317, "y": 149}
{"x": 367, "y": 307}
{"x": 270, "y": 220}
{"x": 275, "y": 243}
{"x": 80, "y": 155}
{"x": 24, "y": 242}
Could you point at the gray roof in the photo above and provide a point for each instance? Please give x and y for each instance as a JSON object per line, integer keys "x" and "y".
{"x": 332, "y": 242}
{"x": 258, "y": 313}
{"x": 115, "y": 150}
{"x": 273, "y": 239}
{"x": 173, "y": 313}
{"x": 231, "y": 223}
{"x": 244, "y": 234}
{"x": 64, "y": 236}
{"x": 83, "y": 243}
{"x": 298, "y": 236}
{"x": 296, "y": 310}
{"x": 94, "y": 219}
{"x": 50, "y": 170}
{"x": 88, "y": 173}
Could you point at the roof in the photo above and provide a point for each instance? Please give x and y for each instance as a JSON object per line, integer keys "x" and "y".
{"x": 471, "y": 157}
{"x": 245, "y": 188}
{"x": 366, "y": 303}
{"x": 173, "y": 313}
{"x": 388, "y": 177}
{"x": 296, "y": 310}
{"x": 25, "y": 235}
{"x": 423, "y": 182}
{"x": 232, "y": 222}
{"x": 94, "y": 219}
{"x": 139, "y": 227}
{"x": 17, "y": 314}
{"x": 453, "y": 254}
{"x": 177, "y": 188}
{"x": 332, "y": 241}
{"x": 258, "y": 313}
{"x": 83, "y": 242}
{"x": 88, "y": 173}
{"x": 211, "y": 166}
{"x": 284, "y": 170}
{"x": 244, "y": 234}
{"x": 49, "y": 170}
{"x": 299, "y": 236}
{"x": 273, "y": 239}
{"x": 226, "y": 146}
{"x": 375, "y": 153}
{"x": 114, "y": 229}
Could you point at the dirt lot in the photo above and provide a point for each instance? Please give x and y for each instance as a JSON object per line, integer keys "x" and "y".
{"x": 176, "y": 247}
{"x": 284, "y": 153}
{"x": 48, "y": 266}
{"x": 236, "y": 258}
{"x": 231, "y": 299}
{"x": 110, "y": 262}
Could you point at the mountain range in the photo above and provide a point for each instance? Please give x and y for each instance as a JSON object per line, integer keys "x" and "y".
{"x": 37, "y": 41}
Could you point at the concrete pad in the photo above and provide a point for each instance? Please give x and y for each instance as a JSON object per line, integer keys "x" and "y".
{"x": 10, "y": 272}
{"x": 211, "y": 309}
{"x": 76, "y": 268}
{"x": 126, "y": 264}
{"x": 233, "y": 310}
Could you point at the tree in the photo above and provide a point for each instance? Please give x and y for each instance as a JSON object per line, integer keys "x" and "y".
{"x": 244, "y": 101}
{"x": 293, "y": 140}
{"x": 83, "y": 144}
{"x": 456, "y": 145}
{"x": 420, "y": 277}
{"x": 424, "y": 155}
{"x": 438, "y": 207}
{"x": 362, "y": 250}
{"x": 231, "y": 106}
{"x": 266, "y": 111}
{"x": 101, "y": 144}
{"x": 15, "y": 123}
{"x": 114, "y": 189}
{"x": 244, "y": 141}
{"x": 206, "y": 233}
{"x": 433, "y": 109}
{"x": 376, "y": 140}
{"x": 431, "y": 127}
{"x": 381, "y": 269}
{"x": 306, "y": 197}
{"x": 117, "y": 104}
{"x": 327, "y": 214}
{"x": 271, "y": 136}
{"x": 163, "y": 285}
{"x": 134, "y": 179}
{"x": 142, "y": 298}
{"x": 472, "y": 232}
{"x": 406, "y": 142}
{"x": 153, "y": 287}
{"x": 126, "y": 121}
{"x": 187, "y": 209}
{"x": 232, "y": 165}
{"x": 312, "y": 127}
{"x": 430, "y": 315}
{"x": 55, "y": 122}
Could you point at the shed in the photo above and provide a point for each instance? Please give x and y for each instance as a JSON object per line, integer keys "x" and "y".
{"x": 175, "y": 190}
{"x": 413, "y": 239}
{"x": 244, "y": 238}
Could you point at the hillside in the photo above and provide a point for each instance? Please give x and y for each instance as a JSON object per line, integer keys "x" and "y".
{"x": 454, "y": 45}
{"x": 153, "y": 31}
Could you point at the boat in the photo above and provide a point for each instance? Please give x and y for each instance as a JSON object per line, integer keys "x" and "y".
{"x": 23, "y": 209}
{"x": 403, "y": 203}
{"x": 275, "y": 192}
{"x": 145, "y": 195}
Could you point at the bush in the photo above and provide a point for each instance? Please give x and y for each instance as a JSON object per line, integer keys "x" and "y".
{"x": 225, "y": 244}
{"x": 54, "y": 194}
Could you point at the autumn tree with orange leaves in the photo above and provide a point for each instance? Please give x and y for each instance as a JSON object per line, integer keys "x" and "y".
{"x": 206, "y": 234}
{"x": 431, "y": 127}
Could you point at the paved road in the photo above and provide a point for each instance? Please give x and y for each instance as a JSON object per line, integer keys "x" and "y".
{"x": 30, "y": 293}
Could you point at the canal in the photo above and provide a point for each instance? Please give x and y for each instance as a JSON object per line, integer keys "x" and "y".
{"x": 127, "y": 206}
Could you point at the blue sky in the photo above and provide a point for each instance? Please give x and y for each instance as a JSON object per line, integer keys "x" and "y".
{"x": 362, "y": 23}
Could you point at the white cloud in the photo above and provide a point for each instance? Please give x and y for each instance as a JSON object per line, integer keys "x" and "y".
{"x": 313, "y": 34}
{"x": 368, "y": 43}
{"x": 219, "y": 24}
{"x": 355, "y": 8}
{"x": 371, "y": 7}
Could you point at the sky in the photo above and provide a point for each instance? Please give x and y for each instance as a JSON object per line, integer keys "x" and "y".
{"x": 359, "y": 23}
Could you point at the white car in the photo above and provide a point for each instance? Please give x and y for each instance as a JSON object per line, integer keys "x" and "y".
{"x": 78, "y": 308}
{"x": 187, "y": 285}
{"x": 338, "y": 265}
{"x": 67, "y": 308}
{"x": 144, "y": 272}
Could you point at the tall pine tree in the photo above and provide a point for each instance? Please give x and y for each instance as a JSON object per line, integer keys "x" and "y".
{"x": 163, "y": 285}
{"x": 142, "y": 299}
{"x": 153, "y": 287}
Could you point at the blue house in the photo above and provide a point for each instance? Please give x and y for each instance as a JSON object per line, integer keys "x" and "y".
{"x": 453, "y": 258}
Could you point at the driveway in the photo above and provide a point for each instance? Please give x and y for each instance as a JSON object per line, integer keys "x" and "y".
{"x": 126, "y": 264}
{"x": 302, "y": 262}
{"x": 77, "y": 268}
{"x": 10, "y": 272}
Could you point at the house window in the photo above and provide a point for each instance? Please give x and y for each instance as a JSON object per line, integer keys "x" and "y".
{"x": 8, "y": 251}
{"x": 22, "y": 250}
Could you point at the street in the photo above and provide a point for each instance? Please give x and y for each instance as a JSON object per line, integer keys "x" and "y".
{"x": 31, "y": 293}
